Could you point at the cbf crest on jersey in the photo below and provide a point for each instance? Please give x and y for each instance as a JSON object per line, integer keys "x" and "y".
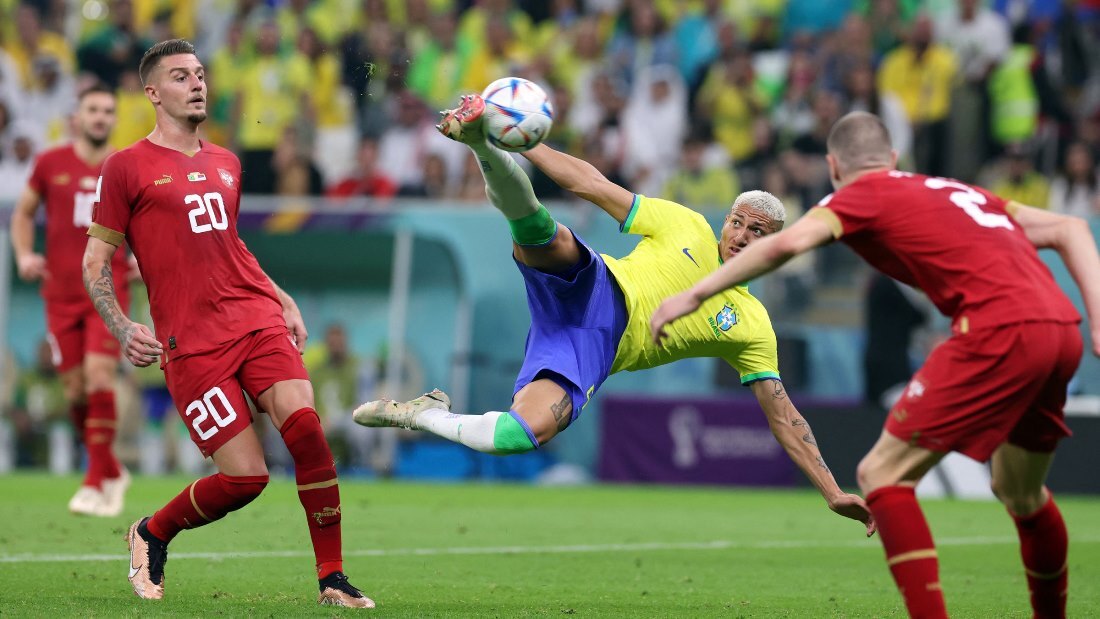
{"x": 226, "y": 177}
{"x": 723, "y": 321}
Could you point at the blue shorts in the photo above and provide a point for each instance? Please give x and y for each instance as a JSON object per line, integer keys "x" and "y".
{"x": 577, "y": 320}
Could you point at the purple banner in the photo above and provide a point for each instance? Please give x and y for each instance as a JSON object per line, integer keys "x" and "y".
{"x": 720, "y": 441}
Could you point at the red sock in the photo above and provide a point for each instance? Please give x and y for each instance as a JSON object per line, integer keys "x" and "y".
{"x": 910, "y": 552}
{"x": 315, "y": 472}
{"x": 203, "y": 502}
{"x": 99, "y": 438}
{"x": 1044, "y": 544}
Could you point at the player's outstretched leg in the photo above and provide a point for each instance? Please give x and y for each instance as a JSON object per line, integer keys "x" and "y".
{"x": 540, "y": 241}
{"x": 887, "y": 477}
{"x": 1018, "y": 481}
{"x": 494, "y": 432}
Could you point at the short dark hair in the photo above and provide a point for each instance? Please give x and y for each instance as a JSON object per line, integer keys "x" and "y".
{"x": 860, "y": 140}
{"x": 96, "y": 88}
{"x": 152, "y": 56}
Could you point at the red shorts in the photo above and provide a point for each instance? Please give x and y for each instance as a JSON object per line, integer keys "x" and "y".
{"x": 208, "y": 387}
{"x": 76, "y": 329}
{"x": 980, "y": 389}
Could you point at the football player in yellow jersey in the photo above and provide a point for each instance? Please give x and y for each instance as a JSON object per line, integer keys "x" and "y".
{"x": 590, "y": 312}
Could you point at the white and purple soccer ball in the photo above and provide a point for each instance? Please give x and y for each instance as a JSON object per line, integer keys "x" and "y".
{"x": 518, "y": 114}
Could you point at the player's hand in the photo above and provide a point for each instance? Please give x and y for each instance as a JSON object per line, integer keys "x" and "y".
{"x": 139, "y": 345}
{"x": 32, "y": 267}
{"x": 854, "y": 507}
{"x": 296, "y": 326}
{"x": 671, "y": 309}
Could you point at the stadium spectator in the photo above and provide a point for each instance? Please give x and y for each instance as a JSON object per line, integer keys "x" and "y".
{"x": 1076, "y": 189}
{"x": 17, "y": 159}
{"x": 654, "y": 126}
{"x": 135, "y": 117}
{"x": 1019, "y": 181}
{"x": 402, "y": 148}
{"x": 642, "y": 39}
{"x": 30, "y": 42}
{"x": 224, "y": 83}
{"x": 48, "y": 105}
{"x": 888, "y": 20}
{"x": 502, "y": 53}
{"x": 438, "y": 69}
{"x": 11, "y": 84}
{"x": 704, "y": 179}
{"x": 115, "y": 48}
{"x": 731, "y": 99}
{"x": 980, "y": 39}
{"x": 293, "y": 164}
{"x": 921, "y": 75}
{"x": 578, "y": 67}
{"x": 335, "y": 132}
{"x": 863, "y": 96}
{"x": 1013, "y": 98}
{"x": 844, "y": 50}
{"x": 368, "y": 179}
{"x": 273, "y": 94}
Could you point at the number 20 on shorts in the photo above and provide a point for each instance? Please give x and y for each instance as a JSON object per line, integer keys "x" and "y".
{"x": 205, "y": 409}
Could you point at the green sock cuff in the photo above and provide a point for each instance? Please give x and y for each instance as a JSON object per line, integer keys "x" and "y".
{"x": 538, "y": 228}
{"x": 510, "y": 437}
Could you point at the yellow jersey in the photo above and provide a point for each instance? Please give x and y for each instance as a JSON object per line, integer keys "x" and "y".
{"x": 678, "y": 250}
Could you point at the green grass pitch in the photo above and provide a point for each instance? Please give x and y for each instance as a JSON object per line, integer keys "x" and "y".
{"x": 521, "y": 551}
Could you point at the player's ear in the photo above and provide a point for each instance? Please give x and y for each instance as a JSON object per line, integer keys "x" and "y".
{"x": 151, "y": 94}
{"x": 834, "y": 168}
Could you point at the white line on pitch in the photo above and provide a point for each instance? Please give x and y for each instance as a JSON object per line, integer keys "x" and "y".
{"x": 525, "y": 550}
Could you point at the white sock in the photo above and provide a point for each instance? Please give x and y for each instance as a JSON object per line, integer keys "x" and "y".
{"x": 506, "y": 183}
{"x": 473, "y": 431}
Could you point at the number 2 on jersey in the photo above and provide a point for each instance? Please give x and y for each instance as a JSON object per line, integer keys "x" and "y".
{"x": 970, "y": 201}
{"x": 210, "y": 205}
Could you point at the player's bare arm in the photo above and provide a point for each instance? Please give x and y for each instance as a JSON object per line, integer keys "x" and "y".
{"x": 293, "y": 316}
{"x": 138, "y": 343}
{"x": 762, "y": 256}
{"x": 1072, "y": 238}
{"x": 582, "y": 179}
{"x": 31, "y": 265}
{"x": 793, "y": 432}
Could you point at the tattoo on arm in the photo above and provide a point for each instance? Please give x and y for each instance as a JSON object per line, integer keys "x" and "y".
{"x": 562, "y": 411}
{"x": 809, "y": 435}
{"x": 778, "y": 394}
{"x": 821, "y": 463}
{"x": 102, "y": 292}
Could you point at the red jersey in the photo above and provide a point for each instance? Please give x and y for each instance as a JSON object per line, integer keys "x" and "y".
{"x": 955, "y": 242}
{"x": 179, "y": 215}
{"x": 66, "y": 184}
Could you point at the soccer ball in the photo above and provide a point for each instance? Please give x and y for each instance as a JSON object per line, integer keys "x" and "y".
{"x": 518, "y": 114}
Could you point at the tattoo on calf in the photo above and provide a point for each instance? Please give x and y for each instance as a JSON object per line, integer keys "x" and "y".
{"x": 102, "y": 292}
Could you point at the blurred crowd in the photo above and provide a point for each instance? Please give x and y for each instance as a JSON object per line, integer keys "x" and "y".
{"x": 688, "y": 99}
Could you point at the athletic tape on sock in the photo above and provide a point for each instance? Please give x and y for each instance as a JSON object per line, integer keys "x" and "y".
{"x": 538, "y": 228}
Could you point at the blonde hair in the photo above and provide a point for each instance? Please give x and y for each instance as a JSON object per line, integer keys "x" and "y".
{"x": 763, "y": 202}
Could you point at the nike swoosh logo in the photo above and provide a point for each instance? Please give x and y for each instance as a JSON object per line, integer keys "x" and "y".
{"x": 133, "y": 570}
{"x": 688, "y": 254}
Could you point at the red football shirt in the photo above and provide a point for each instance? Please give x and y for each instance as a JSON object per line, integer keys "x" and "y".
{"x": 66, "y": 184}
{"x": 179, "y": 215}
{"x": 955, "y": 242}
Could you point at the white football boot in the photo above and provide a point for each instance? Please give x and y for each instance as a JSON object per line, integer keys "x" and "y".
{"x": 393, "y": 414}
{"x": 87, "y": 501}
